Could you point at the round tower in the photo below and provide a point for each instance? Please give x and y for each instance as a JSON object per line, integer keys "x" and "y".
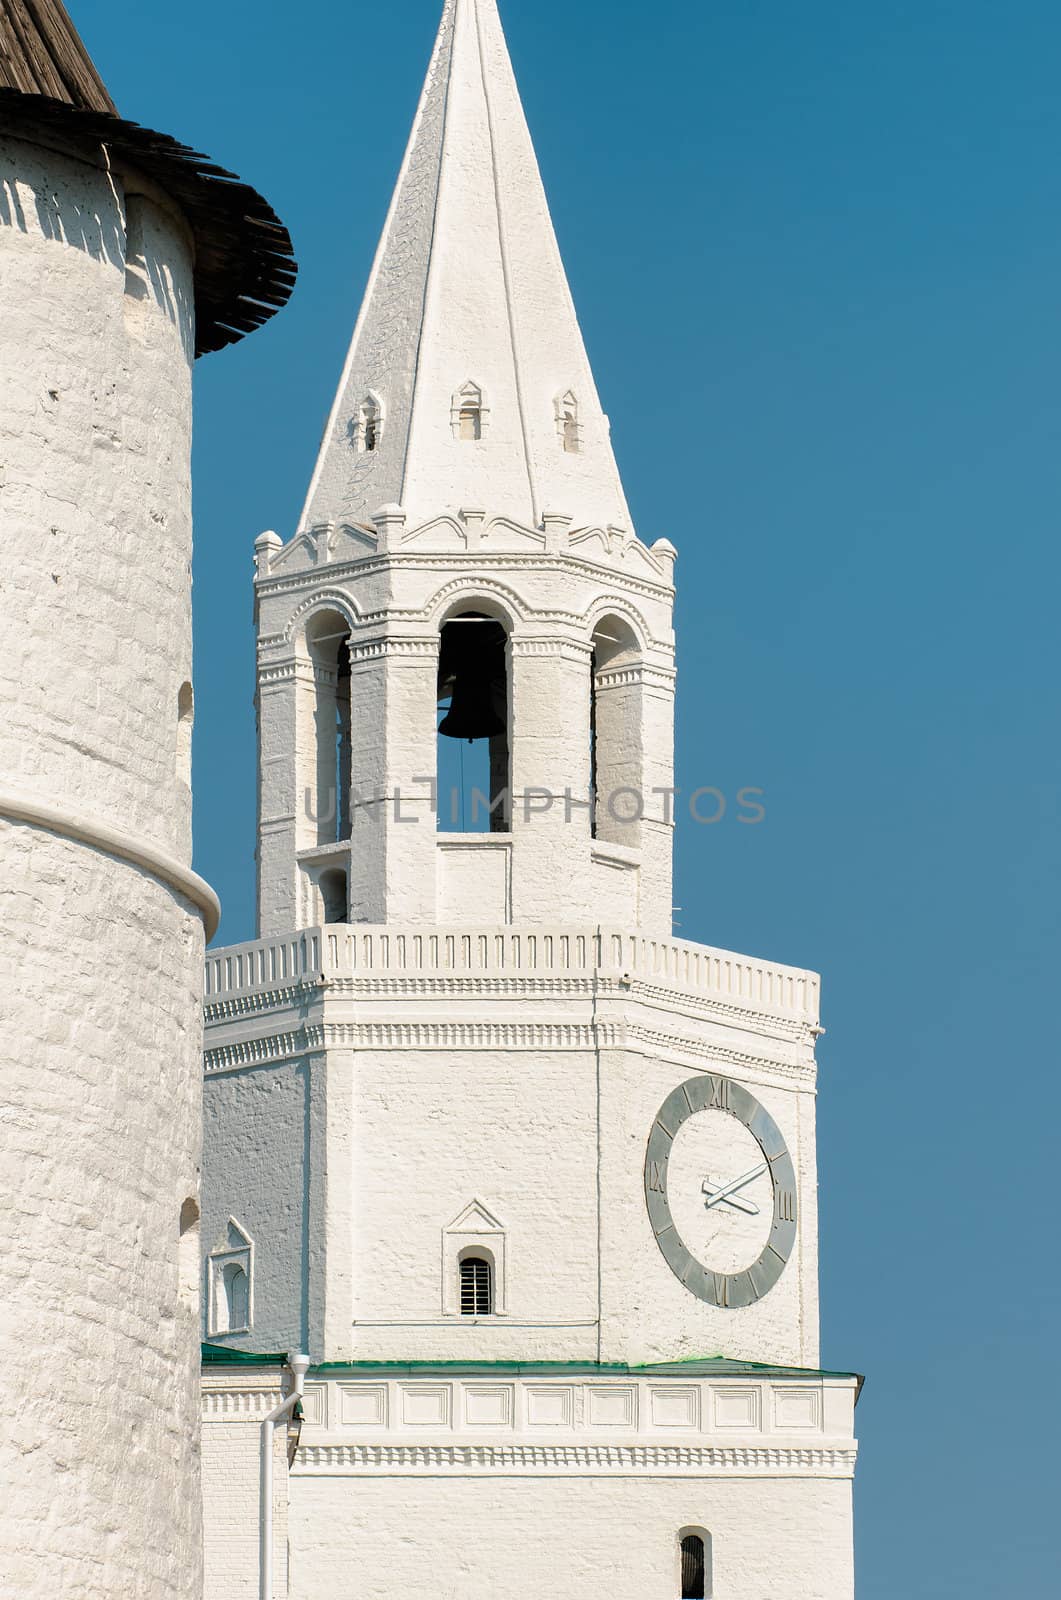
{"x": 122, "y": 257}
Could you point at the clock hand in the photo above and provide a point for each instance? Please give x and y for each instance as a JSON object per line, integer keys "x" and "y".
{"x": 736, "y": 1200}
{"x": 728, "y": 1189}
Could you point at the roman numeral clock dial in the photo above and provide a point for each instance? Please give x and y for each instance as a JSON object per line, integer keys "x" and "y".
{"x": 721, "y": 1191}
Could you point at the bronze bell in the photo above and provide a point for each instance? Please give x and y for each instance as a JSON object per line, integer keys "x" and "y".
{"x": 471, "y": 671}
{"x": 471, "y": 713}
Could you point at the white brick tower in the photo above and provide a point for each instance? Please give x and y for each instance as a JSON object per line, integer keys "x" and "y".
{"x": 103, "y": 308}
{"x": 533, "y": 1182}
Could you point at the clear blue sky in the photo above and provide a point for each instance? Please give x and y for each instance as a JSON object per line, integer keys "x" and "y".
{"x": 816, "y": 249}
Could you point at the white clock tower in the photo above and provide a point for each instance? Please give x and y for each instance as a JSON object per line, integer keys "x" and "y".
{"x": 532, "y": 1182}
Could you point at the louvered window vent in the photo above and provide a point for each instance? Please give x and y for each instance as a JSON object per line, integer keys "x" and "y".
{"x": 476, "y": 1287}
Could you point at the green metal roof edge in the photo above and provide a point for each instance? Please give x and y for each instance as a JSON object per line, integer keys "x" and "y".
{"x": 215, "y": 1355}
{"x": 219, "y": 1355}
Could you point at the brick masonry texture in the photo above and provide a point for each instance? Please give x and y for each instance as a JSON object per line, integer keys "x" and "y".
{"x": 101, "y": 962}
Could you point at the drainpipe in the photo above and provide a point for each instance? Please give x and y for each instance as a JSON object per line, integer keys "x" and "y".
{"x": 298, "y": 1366}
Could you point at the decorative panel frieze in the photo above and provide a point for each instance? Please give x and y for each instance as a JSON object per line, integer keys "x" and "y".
{"x": 238, "y": 1405}
{"x": 583, "y": 1423}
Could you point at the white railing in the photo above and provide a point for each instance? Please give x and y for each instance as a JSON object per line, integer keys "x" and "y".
{"x": 357, "y": 950}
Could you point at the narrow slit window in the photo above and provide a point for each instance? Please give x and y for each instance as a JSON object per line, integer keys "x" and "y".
{"x": 471, "y": 422}
{"x": 567, "y": 423}
{"x": 369, "y": 429}
{"x": 696, "y": 1566}
{"x": 477, "y": 1288}
{"x": 334, "y": 894}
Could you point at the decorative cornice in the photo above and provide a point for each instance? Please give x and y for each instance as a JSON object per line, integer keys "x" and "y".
{"x": 692, "y": 1007}
{"x": 378, "y": 649}
{"x": 81, "y": 828}
{"x": 596, "y": 1459}
{"x": 310, "y": 1038}
{"x": 258, "y": 1003}
{"x": 460, "y": 562}
{"x": 640, "y": 674}
{"x": 568, "y": 649}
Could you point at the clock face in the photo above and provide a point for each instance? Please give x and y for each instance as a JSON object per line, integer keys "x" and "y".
{"x": 721, "y": 1191}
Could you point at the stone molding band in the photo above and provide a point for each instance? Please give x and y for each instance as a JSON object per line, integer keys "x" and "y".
{"x": 138, "y": 852}
{"x": 336, "y": 1459}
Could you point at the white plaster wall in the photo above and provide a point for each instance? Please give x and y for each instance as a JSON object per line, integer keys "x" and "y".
{"x": 517, "y": 1481}
{"x": 435, "y": 1130}
{"x": 647, "y": 1314}
{"x": 101, "y": 963}
{"x": 518, "y": 1068}
{"x": 233, "y": 1407}
{"x": 257, "y": 1133}
{"x": 504, "y": 1538}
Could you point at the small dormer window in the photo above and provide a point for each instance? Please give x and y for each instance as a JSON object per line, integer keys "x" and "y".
{"x": 468, "y": 413}
{"x": 567, "y": 423}
{"x": 369, "y": 427}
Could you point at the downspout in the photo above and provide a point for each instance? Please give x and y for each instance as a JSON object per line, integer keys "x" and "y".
{"x": 298, "y": 1366}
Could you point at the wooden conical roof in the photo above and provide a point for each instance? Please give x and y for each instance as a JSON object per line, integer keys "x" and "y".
{"x": 41, "y": 53}
{"x": 244, "y": 262}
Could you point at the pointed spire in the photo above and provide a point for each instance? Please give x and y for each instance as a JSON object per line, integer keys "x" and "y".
{"x": 41, "y": 53}
{"x": 467, "y": 381}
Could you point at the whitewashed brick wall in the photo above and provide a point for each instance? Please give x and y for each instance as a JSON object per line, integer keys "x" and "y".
{"x": 101, "y": 961}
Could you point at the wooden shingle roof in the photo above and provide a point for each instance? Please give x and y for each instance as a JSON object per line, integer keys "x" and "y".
{"x": 41, "y": 53}
{"x": 244, "y": 262}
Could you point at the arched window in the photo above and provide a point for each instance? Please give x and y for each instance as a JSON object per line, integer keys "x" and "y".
{"x": 695, "y": 1549}
{"x": 368, "y": 430}
{"x": 476, "y": 1287}
{"x": 468, "y": 412}
{"x": 230, "y": 1281}
{"x": 328, "y": 792}
{"x": 236, "y": 1309}
{"x": 188, "y": 1253}
{"x": 567, "y": 425}
{"x": 185, "y": 718}
{"x": 473, "y": 743}
{"x": 615, "y": 734}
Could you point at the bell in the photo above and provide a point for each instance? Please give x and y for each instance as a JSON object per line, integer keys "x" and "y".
{"x": 471, "y": 713}
{"x": 471, "y": 671}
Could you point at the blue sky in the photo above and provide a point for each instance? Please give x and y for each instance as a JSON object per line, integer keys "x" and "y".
{"x": 816, "y": 251}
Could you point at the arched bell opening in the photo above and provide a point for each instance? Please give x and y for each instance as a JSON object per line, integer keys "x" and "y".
{"x": 615, "y": 733}
{"x": 474, "y": 749}
{"x": 328, "y": 645}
